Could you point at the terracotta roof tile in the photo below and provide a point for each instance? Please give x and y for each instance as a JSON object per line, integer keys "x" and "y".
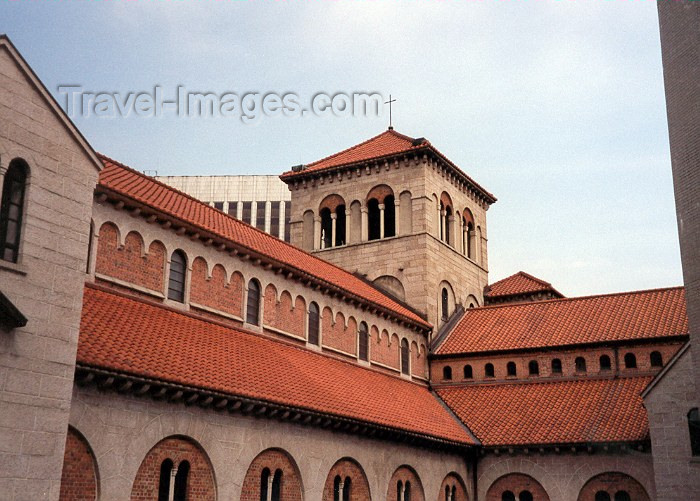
{"x": 519, "y": 283}
{"x": 563, "y": 412}
{"x": 627, "y": 316}
{"x": 142, "y": 339}
{"x": 137, "y": 186}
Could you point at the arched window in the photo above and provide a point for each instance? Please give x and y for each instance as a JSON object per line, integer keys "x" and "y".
{"x": 602, "y": 496}
{"x": 442, "y": 222}
{"x": 448, "y": 224}
{"x": 389, "y": 216}
{"x": 605, "y": 364}
{"x": 694, "y": 429}
{"x": 447, "y": 373}
{"x": 488, "y": 370}
{"x": 445, "y": 303}
{"x": 468, "y": 373}
{"x": 405, "y": 354}
{"x": 507, "y": 496}
{"x": 580, "y": 363}
{"x": 525, "y": 496}
{"x": 277, "y": 486}
{"x": 180, "y": 492}
{"x": 373, "y": 222}
{"x": 264, "y": 483}
{"x": 407, "y": 491}
{"x": 447, "y": 493}
{"x": 630, "y": 363}
{"x": 340, "y": 238}
{"x": 336, "y": 488}
{"x": 176, "y": 280}
{"x": 326, "y": 229}
{"x": 533, "y": 368}
{"x": 12, "y": 210}
{"x": 164, "y": 480}
{"x": 364, "y": 342}
{"x": 399, "y": 490}
{"x": 454, "y": 492}
{"x": 556, "y": 366}
{"x": 253, "y": 306}
{"x": 314, "y": 324}
{"x": 655, "y": 359}
{"x": 622, "y": 496}
{"x": 347, "y": 489}
{"x": 511, "y": 370}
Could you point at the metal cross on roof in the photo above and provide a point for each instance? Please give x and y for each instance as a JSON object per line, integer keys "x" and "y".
{"x": 389, "y": 103}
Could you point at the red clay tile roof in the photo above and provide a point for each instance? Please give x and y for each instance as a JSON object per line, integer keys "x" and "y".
{"x": 386, "y": 144}
{"x": 563, "y": 412}
{"x": 519, "y": 283}
{"x": 146, "y": 190}
{"x": 627, "y": 316}
{"x": 130, "y": 336}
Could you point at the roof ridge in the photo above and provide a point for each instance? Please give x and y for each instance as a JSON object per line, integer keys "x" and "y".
{"x": 388, "y": 131}
{"x": 240, "y": 330}
{"x": 525, "y": 382}
{"x": 576, "y": 298}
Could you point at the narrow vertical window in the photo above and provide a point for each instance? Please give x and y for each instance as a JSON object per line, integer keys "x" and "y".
{"x": 580, "y": 364}
{"x": 508, "y": 496}
{"x": 347, "y": 489}
{"x": 407, "y": 491}
{"x": 176, "y": 280}
{"x": 326, "y": 229}
{"x": 340, "y": 238}
{"x": 11, "y": 210}
{"x": 525, "y": 496}
{"x": 219, "y": 205}
{"x": 253, "y": 304}
{"x": 630, "y": 361}
{"x": 655, "y": 359}
{"x": 91, "y": 235}
{"x": 246, "y": 213}
{"x": 447, "y": 373}
{"x": 180, "y": 492}
{"x": 389, "y": 216}
{"x": 488, "y": 370}
{"x": 602, "y": 496}
{"x": 447, "y": 493}
{"x": 336, "y": 488}
{"x": 277, "y": 486}
{"x": 399, "y": 490}
{"x": 314, "y": 324}
{"x": 445, "y": 304}
{"x": 373, "y": 215}
{"x": 622, "y": 496}
{"x": 448, "y": 224}
{"x": 511, "y": 370}
{"x": 260, "y": 216}
{"x": 264, "y": 483}
{"x": 275, "y": 219}
{"x": 405, "y": 353}
{"x": 605, "y": 364}
{"x": 364, "y": 342}
{"x": 468, "y": 373}
{"x": 694, "y": 430}
{"x": 287, "y": 220}
{"x": 556, "y": 366}
{"x": 164, "y": 480}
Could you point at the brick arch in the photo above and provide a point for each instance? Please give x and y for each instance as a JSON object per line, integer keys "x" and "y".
{"x": 468, "y": 216}
{"x": 446, "y": 200}
{"x": 379, "y": 193}
{"x": 79, "y": 478}
{"x": 405, "y": 473}
{"x": 612, "y": 482}
{"x": 331, "y": 202}
{"x": 348, "y": 467}
{"x": 453, "y": 480}
{"x": 516, "y": 483}
{"x": 274, "y": 459}
{"x": 129, "y": 262}
{"x": 201, "y": 484}
{"x": 210, "y": 287}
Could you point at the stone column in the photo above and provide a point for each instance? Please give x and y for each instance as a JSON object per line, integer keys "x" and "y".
{"x": 397, "y": 217}
{"x": 317, "y": 233}
{"x": 171, "y": 488}
{"x": 334, "y": 224}
{"x": 451, "y": 233}
{"x": 348, "y": 225}
{"x": 442, "y": 224}
{"x": 341, "y": 486}
{"x": 365, "y": 225}
{"x": 270, "y": 480}
{"x": 381, "y": 220}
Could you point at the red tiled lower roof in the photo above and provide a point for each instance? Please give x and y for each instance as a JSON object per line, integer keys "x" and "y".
{"x": 551, "y": 413}
{"x": 146, "y": 190}
{"x": 519, "y": 283}
{"x": 627, "y": 316}
{"x": 142, "y": 339}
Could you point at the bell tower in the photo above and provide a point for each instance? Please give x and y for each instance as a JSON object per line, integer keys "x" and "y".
{"x": 397, "y": 212}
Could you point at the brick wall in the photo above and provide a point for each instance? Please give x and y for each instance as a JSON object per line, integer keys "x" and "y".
{"x": 273, "y": 459}
{"x": 215, "y": 291}
{"x": 200, "y": 481}
{"x": 335, "y": 334}
{"x": 128, "y": 263}
{"x": 384, "y": 349}
{"x": 345, "y": 468}
{"x": 79, "y": 476}
{"x": 612, "y": 483}
{"x": 516, "y": 483}
{"x": 405, "y": 474}
{"x": 283, "y": 314}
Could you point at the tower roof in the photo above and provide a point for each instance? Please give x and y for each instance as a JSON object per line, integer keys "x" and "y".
{"x": 384, "y": 146}
{"x": 519, "y": 283}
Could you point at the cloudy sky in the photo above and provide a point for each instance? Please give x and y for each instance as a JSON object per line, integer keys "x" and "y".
{"x": 555, "y": 106}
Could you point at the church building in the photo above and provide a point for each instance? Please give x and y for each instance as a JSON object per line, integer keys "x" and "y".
{"x": 156, "y": 348}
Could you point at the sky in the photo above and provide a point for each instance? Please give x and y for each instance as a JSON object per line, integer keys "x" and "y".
{"x": 554, "y": 106}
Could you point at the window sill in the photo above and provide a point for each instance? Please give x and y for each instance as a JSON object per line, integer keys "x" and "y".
{"x": 13, "y": 267}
